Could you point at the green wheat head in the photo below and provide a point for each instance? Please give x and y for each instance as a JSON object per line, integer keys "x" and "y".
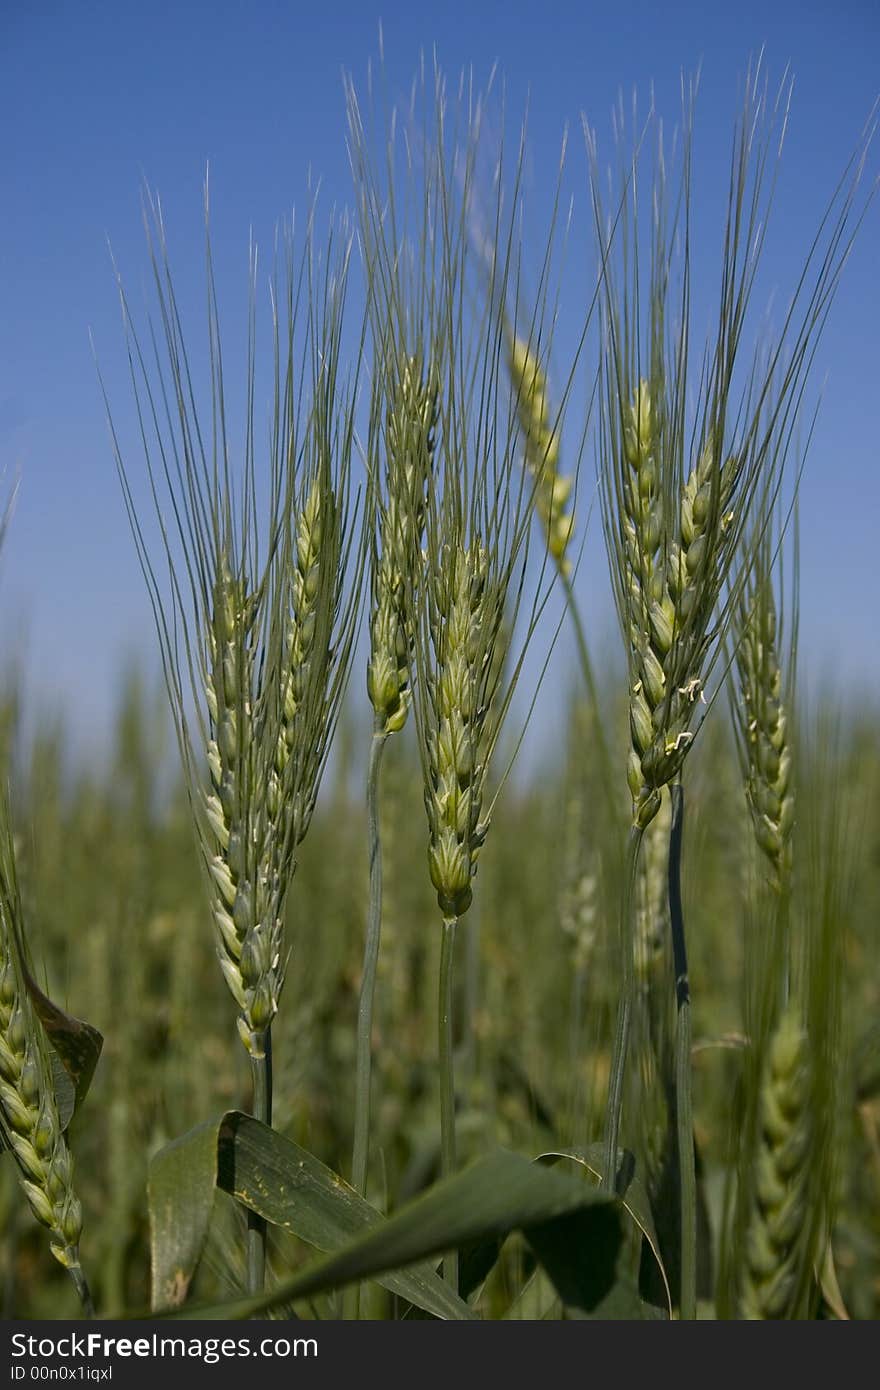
{"x": 691, "y": 454}
{"x": 763, "y": 712}
{"x": 410, "y": 422}
{"x": 778, "y": 1226}
{"x": 30, "y": 1124}
{"x": 265, "y": 566}
{"x": 453, "y": 510}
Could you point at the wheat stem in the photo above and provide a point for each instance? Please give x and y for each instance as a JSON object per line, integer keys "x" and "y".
{"x": 360, "y": 1153}
{"x": 261, "y": 1071}
{"x": 447, "y": 1075}
{"x": 683, "y": 1080}
{"x": 471, "y": 994}
{"x": 360, "y": 1157}
{"x": 687, "y": 1173}
{"x": 624, "y": 1008}
{"x": 84, "y": 1293}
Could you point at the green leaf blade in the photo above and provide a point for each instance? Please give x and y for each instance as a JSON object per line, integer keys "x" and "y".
{"x": 499, "y": 1194}
{"x": 281, "y": 1182}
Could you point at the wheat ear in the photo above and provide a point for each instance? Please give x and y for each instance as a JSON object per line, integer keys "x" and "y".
{"x": 238, "y": 917}
{"x": 409, "y": 451}
{"x": 30, "y": 1123}
{"x": 258, "y": 616}
{"x": 465, "y": 622}
{"x": 552, "y": 496}
{"x": 763, "y": 727}
{"x": 781, "y": 1182}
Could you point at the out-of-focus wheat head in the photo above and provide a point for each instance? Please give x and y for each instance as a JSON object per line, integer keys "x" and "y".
{"x": 30, "y": 1123}
{"x": 778, "y": 1223}
{"x": 541, "y": 443}
{"x": 762, "y": 709}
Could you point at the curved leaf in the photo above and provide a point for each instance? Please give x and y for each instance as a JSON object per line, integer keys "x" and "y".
{"x": 181, "y": 1185}
{"x": 292, "y": 1189}
{"x": 77, "y": 1046}
{"x": 630, "y": 1191}
{"x": 281, "y": 1182}
{"x": 537, "y": 1300}
{"x": 62, "y": 1085}
{"x": 499, "y": 1194}
{"x": 826, "y": 1278}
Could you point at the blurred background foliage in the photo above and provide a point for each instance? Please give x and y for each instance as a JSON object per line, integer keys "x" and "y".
{"x": 118, "y": 924}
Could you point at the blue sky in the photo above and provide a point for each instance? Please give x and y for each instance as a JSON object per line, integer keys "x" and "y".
{"x": 96, "y": 97}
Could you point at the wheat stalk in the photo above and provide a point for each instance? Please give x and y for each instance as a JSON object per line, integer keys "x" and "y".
{"x": 261, "y": 616}
{"x": 410, "y": 401}
{"x": 785, "y": 1177}
{"x": 690, "y": 463}
{"x": 434, "y": 300}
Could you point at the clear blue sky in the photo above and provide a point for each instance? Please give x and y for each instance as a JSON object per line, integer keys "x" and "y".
{"x": 95, "y": 97}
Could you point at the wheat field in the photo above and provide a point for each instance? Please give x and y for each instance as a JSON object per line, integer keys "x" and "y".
{"x": 589, "y": 1035}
